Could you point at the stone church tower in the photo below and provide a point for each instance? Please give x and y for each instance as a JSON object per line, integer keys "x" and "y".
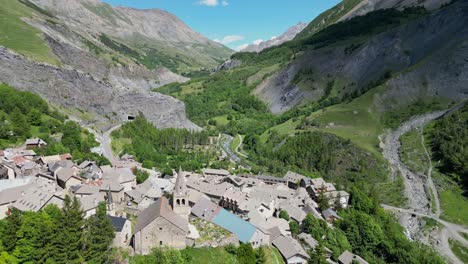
{"x": 180, "y": 201}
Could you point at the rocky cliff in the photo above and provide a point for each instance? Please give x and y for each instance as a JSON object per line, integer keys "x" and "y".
{"x": 100, "y": 69}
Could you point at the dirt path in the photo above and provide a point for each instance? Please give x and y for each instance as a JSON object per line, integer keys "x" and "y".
{"x": 238, "y": 146}
{"x": 418, "y": 189}
{"x": 430, "y": 182}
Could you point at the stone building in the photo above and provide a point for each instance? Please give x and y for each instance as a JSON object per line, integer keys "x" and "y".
{"x": 180, "y": 201}
{"x": 159, "y": 226}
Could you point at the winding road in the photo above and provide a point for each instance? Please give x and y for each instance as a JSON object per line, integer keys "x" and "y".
{"x": 418, "y": 189}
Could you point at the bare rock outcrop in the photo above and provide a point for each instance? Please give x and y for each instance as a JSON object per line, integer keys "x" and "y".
{"x": 71, "y": 88}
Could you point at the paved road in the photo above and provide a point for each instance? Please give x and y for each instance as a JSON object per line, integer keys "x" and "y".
{"x": 106, "y": 145}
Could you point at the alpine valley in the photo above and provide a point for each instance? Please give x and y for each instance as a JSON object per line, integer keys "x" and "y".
{"x": 342, "y": 140}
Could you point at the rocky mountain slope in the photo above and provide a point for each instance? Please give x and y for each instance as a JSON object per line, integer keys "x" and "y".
{"x": 89, "y": 56}
{"x": 286, "y": 36}
{"x": 424, "y": 58}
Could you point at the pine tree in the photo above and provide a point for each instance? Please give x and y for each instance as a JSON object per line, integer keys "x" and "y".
{"x": 317, "y": 255}
{"x": 33, "y": 237}
{"x": 260, "y": 255}
{"x": 19, "y": 124}
{"x": 246, "y": 254}
{"x": 12, "y": 224}
{"x": 98, "y": 237}
{"x": 70, "y": 239}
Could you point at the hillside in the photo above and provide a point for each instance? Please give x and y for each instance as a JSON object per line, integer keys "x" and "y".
{"x": 92, "y": 60}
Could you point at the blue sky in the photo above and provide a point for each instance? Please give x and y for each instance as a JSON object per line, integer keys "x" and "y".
{"x": 237, "y": 22}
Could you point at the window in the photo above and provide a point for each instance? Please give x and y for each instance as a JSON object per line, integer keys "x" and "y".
{"x": 160, "y": 243}
{"x": 178, "y": 202}
{"x": 183, "y": 201}
{"x": 160, "y": 229}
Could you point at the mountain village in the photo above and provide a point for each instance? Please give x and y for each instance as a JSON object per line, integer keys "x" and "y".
{"x": 187, "y": 209}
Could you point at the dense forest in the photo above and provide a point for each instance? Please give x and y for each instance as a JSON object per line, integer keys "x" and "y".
{"x": 367, "y": 230}
{"x": 165, "y": 149}
{"x": 24, "y": 115}
{"x": 315, "y": 154}
{"x": 55, "y": 235}
{"x": 449, "y": 138}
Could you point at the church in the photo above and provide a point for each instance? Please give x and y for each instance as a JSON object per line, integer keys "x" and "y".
{"x": 163, "y": 224}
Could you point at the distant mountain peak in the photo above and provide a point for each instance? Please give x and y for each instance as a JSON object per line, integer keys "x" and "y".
{"x": 277, "y": 40}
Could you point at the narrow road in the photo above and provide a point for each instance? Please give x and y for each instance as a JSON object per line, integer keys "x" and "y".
{"x": 106, "y": 145}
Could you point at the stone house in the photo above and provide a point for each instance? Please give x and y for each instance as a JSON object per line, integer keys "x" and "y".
{"x": 159, "y": 226}
{"x": 123, "y": 231}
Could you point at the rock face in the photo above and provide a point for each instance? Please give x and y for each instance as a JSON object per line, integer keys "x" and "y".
{"x": 71, "y": 88}
{"x": 286, "y": 36}
{"x": 427, "y": 58}
{"x": 108, "y": 79}
{"x": 227, "y": 65}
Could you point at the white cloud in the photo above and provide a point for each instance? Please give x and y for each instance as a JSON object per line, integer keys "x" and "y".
{"x": 258, "y": 41}
{"x": 241, "y": 47}
{"x": 213, "y": 2}
{"x": 229, "y": 39}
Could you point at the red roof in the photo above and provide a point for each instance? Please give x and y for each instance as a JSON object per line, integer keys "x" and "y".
{"x": 18, "y": 159}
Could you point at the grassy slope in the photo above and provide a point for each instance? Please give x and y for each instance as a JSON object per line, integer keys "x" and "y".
{"x": 357, "y": 121}
{"x": 459, "y": 250}
{"x": 19, "y": 36}
{"x": 329, "y": 17}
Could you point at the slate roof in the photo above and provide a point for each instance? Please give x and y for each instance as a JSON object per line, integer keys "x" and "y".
{"x": 205, "y": 209}
{"x": 289, "y": 247}
{"x": 216, "y": 172}
{"x": 13, "y": 194}
{"x": 90, "y": 202}
{"x": 308, "y": 239}
{"x": 117, "y": 222}
{"x": 231, "y": 222}
{"x": 85, "y": 189}
{"x": 294, "y": 177}
{"x": 35, "y": 141}
{"x": 160, "y": 208}
{"x": 330, "y": 213}
{"x": 64, "y": 174}
{"x": 348, "y": 257}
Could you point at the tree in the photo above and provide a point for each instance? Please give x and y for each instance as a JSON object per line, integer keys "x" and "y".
{"x": 260, "y": 255}
{"x": 294, "y": 227}
{"x": 70, "y": 239}
{"x": 246, "y": 254}
{"x": 12, "y": 224}
{"x": 98, "y": 237}
{"x": 34, "y": 117}
{"x": 317, "y": 255}
{"x": 34, "y": 236}
{"x": 283, "y": 214}
{"x": 323, "y": 201}
{"x": 19, "y": 125}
